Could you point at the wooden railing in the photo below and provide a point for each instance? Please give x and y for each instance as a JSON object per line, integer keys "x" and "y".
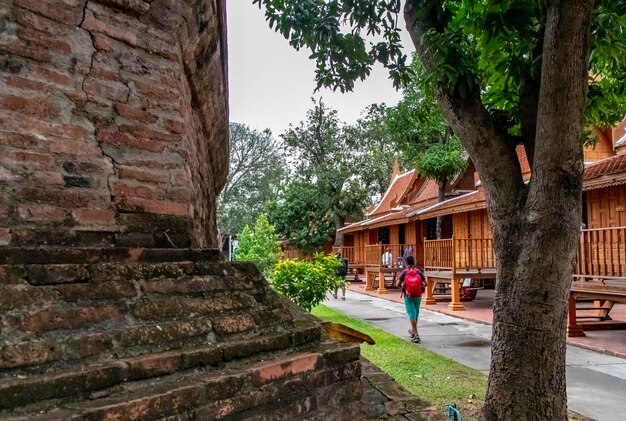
{"x": 459, "y": 253}
{"x": 387, "y": 255}
{"x": 602, "y": 253}
{"x": 474, "y": 253}
{"x": 355, "y": 255}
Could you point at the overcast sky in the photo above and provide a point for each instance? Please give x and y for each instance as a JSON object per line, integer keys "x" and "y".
{"x": 271, "y": 84}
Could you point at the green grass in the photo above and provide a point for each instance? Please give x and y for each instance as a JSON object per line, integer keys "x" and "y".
{"x": 430, "y": 376}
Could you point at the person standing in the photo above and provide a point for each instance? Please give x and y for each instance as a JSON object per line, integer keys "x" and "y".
{"x": 342, "y": 272}
{"x": 413, "y": 284}
{"x": 387, "y": 258}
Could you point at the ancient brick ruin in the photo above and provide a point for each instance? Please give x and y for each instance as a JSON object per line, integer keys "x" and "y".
{"x": 113, "y": 147}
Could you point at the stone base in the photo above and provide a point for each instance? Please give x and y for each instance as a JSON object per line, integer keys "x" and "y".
{"x": 150, "y": 334}
{"x": 456, "y": 306}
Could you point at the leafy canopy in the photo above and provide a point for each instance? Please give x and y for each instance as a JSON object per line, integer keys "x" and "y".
{"x": 338, "y": 168}
{"x": 256, "y": 168}
{"x": 259, "y": 246}
{"x": 306, "y": 283}
{"x": 346, "y": 37}
{"x": 443, "y": 161}
{"x": 486, "y": 46}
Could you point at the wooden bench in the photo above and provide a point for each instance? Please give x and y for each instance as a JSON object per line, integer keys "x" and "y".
{"x": 604, "y": 291}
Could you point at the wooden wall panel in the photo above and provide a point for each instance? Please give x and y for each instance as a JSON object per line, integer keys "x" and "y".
{"x": 394, "y": 235}
{"x": 372, "y": 236}
{"x": 606, "y": 207}
{"x": 410, "y": 233}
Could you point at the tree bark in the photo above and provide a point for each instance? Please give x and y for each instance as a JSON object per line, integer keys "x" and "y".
{"x": 339, "y": 235}
{"x": 535, "y": 227}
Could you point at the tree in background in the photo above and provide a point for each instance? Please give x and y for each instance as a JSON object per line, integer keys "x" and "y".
{"x": 417, "y": 126}
{"x": 333, "y": 178}
{"x": 256, "y": 169}
{"x": 259, "y": 245}
{"x": 504, "y": 73}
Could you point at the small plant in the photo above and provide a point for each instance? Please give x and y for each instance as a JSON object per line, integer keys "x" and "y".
{"x": 306, "y": 283}
{"x": 259, "y": 246}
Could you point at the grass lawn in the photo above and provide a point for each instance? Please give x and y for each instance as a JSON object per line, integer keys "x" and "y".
{"x": 430, "y": 376}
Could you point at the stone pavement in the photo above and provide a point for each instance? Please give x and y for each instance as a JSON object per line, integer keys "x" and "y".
{"x": 595, "y": 381}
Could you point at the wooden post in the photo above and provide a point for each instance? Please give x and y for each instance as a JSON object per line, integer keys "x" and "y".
{"x": 430, "y": 288}
{"x": 381, "y": 283}
{"x": 369, "y": 282}
{"x": 455, "y": 291}
{"x": 573, "y": 329}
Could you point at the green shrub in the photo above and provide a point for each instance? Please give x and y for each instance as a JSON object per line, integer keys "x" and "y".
{"x": 259, "y": 246}
{"x": 305, "y": 283}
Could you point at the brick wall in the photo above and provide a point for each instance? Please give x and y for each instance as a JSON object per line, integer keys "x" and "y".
{"x": 113, "y": 121}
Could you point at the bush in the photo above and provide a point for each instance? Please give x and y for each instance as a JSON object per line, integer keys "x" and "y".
{"x": 259, "y": 246}
{"x": 306, "y": 283}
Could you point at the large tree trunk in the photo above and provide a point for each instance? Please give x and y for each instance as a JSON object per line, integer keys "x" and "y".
{"x": 339, "y": 235}
{"x": 442, "y": 197}
{"x": 535, "y": 226}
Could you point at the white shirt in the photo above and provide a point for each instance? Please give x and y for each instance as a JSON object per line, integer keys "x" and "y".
{"x": 387, "y": 258}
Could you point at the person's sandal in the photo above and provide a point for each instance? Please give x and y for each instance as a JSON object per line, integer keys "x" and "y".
{"x": 411, "y": 333}
{"x": 416, "y": 339}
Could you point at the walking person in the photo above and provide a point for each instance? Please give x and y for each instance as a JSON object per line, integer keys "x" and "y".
{"x": 342, "y": 272}
{"x": 413, "y": 284}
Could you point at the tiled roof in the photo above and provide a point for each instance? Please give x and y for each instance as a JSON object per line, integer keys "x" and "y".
{"x": 398, "y": 188}
{"x": 607, "y": 172}
{"x": 428, "y": 191}
{"x": 470, "y": 201}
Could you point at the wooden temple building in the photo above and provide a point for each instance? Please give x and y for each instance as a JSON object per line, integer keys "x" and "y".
{"x": 404, "y": 223}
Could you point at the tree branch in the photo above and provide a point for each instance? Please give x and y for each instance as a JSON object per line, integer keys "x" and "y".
{"x": 494, "y": 158}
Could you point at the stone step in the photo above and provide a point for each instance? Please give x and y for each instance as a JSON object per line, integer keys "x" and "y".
{"x": 294, "y": 381}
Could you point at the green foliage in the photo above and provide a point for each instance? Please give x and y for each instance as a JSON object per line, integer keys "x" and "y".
{"x": 306, "y": 283}
{"x": 430, "y": 376}
{"x": 256, "y": 168}
{"x": 486, "y": 46}
{"x": 338, "y": 169}
{"x": 259, "y": 246}
{"x": 443, "y": 161}
{"x": 342, "y": 56}
{"x": 302, "y": 215}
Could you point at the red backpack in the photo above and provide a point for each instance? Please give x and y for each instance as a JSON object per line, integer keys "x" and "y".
{"x": 413, "y": 283}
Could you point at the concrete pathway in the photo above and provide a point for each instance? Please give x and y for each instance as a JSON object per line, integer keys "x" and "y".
{"x": 595, "y": 382}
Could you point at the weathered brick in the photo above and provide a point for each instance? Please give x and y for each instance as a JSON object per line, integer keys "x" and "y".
{"x": 156, "y": 90}
{"x": 175, "y": 126}
{"x": 41, "y": 213}
{"x": 28, "y": 84}
{"x": 21, "y": 140}
{"x": 91, "y": 216}
{"x": 44, "y": 40}
{"x": 32, "y": 106}
{"x": 155, "y": 309}
{"x": 5, "y": 236}
{"x": 28, "y": 353}
{"x": 124, "y": 140}
{"x": 53, "y": 76}
{"x": 72, "y": 147}
{"x": 55, "y": 318}
{"x": 162, "y": 333}
{"x": 250, "y": 346}
{"x": 137, "y": 114}
{"x": 19, "y": 48}
{"x": 161, "y": 207}
{"x": 193, "y": 286}
{"x": 126, "y": 190}
{"x": 23, "y": 296}
{"x": 53, "y": 10}
{"x": 52, "y": 274}
{"x": 283, "y": 368}
{"x": 15, "y": 393}
{"x": 147, "y": 133}
{"x": 125, "y": 172}
{"x": 233, "y": 324}
{"x": 198, "y": 357}
{"x": 112, "y": 290}
{"x": 146, "y": 366}
{"x": 115, "y": 91}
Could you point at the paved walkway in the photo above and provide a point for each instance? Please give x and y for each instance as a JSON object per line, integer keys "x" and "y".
{"x": 595, "y": 382}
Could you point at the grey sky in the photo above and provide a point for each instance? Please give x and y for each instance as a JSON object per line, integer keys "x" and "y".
{"x": 271, "y": 84}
